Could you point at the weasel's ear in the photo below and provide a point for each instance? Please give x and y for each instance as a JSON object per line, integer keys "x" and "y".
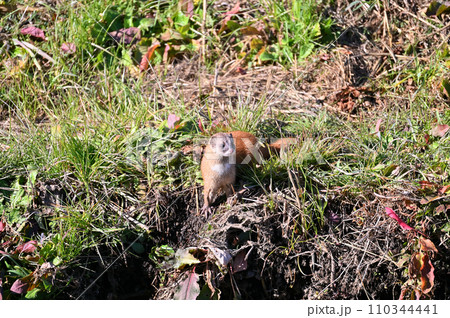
{"x": 231, "y": 136}
{"x": 212, "y": 141}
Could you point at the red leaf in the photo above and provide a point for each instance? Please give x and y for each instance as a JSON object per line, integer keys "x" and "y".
{"x": 68, "y": 48}
{"x": 19, "y": 287}
{"x": 127, "y": 36}
{"x": 233, "y": 11}
{"x": 426, "y": 184}
{"x": 427, "y": 272}
{"x": 166, "y": 53}
{"x": 444, "y": 189}
{"x": 28, "y": 247}
{"x": 2, "y": 226}
{"x": 200, "y": 125}
{"x": 148, "y": 56}
{"x": 190, "y": 9}
{"x": 377, "y": 127}
{"x": 34, "y": 32}
{"x": 228, "y": 16}
{"x": 241, "y": 71}
{"x": 439, "y": 130}
{"x": 393, "y": 215}
{"x": 172, "y": 120}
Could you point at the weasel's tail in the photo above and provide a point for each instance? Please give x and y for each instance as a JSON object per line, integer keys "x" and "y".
{"x": 282, "y": 144}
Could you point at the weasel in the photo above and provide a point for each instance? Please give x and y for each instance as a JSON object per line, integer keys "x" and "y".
{"x": 223, "y": 152}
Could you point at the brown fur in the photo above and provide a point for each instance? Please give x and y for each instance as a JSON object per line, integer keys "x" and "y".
{"x": 223, "y": 152}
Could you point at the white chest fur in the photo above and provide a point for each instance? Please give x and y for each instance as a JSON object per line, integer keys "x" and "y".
{"x": 222, "y": 168}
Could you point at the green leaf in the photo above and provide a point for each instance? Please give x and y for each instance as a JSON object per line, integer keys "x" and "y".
{"x": 180, "y": 19}
{"x": 32, "y": 294}
{"x": 57, "y": 261}
{"x": 315, "y": 32}
{"x": 205, "y": 294}
{"x": 126, "y": 58}
{"x": 446, "y": 86}
{"x": 19, "y": 271}
{"x": 266, "y": 56}
{"x": 183, "y": 30}
{"x": 111, "y": 18}
{"x": 305, "y": 50}
{"x": 19, "y": 51}
{"x": 184, "y": 257}
{"x": 128, "y": 21}
{"x": 437, "y": 8}
{"x": 442, "y": 9}
{"x": 32, "y": 179}
{"x": 256, "y": 44}
{"x": 233, "y": 25}
{"x": 446, "y": 228}
{"x": 146, "y": 23}
{"x": 164, "y": 250}
{"x": 138, "y": 248}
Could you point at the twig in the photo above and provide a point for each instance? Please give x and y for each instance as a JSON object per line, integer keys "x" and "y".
{"x": 203, "y": 59}
{"x": 415, "y": 16}
{"x": 28, "y": 46}
{"x": 130, "y": 219}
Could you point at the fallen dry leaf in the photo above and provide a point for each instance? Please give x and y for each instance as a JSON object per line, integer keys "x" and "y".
{"x": 427, "y": 274}
{"x": 439, "y": 130}
{"x": 247, "y": 31}
{"x": 68, "y": 48}
{"x": 28, "y": 247}
{"x": 4, "y": 147}
{"x": 126, "y": 36}
{"x": 426, "y": 184}
{"x": 427, "y": 245}
{"x": 172, "y": 120}
{"x": 19, "y": 287}
{"x": 187, "y": 6}
{"x": 239, "y": 262}
{"x": 228, "y": 16}
{"x": 378, "y": 124}
{"x": 444, "y": 189}
{"x": 166, "y": 54}
{"x": 441, "y": 208}
{"x": 148, "y": 56}
{"x": 241, "y": 71}
{"x": 187, "y": 149}
{"x": 189, "y": 288}
{"x": 345, "y": 99}
{"x": 415, "y": 265}
{"x": 34, "y": 32}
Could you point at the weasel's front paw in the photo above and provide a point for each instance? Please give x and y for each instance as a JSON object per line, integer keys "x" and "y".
{"x": 206, "y": 210}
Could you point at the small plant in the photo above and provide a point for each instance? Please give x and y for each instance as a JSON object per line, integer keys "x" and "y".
{"x": 299, "y": 30}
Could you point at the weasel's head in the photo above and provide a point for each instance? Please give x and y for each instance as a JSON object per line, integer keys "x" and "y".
{"x": 222, "y": 144}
